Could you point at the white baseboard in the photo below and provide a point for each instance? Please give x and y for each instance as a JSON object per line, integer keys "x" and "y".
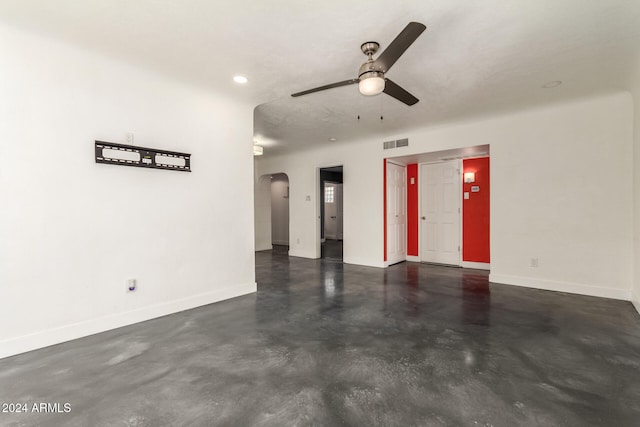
{"x": 389, "y": 263}
{"x": 413, "y": 258}
{"x": 22, "y": 344}
{"x": 302, "y": 254}
{"x": 476, "y": 265}
{"x": 263, "y": 248}
{"x": 554, "y": 285}
{"x": 364, "y": 262}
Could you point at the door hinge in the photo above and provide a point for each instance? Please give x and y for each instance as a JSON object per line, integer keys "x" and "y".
{"x": 458, "y": 248}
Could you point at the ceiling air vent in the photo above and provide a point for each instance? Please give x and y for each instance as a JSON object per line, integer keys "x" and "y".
{"x": 402, "y": 142}
{"x": 389, "y": 144}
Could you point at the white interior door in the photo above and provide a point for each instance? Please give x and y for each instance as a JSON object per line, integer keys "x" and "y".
{"x": 440, "y": 188}
{"x": 330, "y": 210}
{"x": 396, "y": 213}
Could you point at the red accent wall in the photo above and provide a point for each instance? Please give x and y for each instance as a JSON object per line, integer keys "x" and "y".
{"x": 413, "y": 208}
{"x": 384, "y": 204}
{"x": 475, "y": 212}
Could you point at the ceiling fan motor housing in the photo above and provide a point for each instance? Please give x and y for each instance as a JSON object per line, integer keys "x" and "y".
{"x": 371, "y": 70}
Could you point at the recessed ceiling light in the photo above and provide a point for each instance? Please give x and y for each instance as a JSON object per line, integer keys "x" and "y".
{"x": 332, "y": 139}
{"x": 552, "y": 84}
{"x": 240, "y": 79}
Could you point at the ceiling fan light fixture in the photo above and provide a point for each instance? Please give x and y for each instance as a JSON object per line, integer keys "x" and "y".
{"x": 371, "y": 83}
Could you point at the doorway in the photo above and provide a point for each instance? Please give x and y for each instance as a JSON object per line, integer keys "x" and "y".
{"x": 331, "y": 213}
{"x": 280, "y": 212}
{"x": 473, "y": 200}
{"x": 440, "y": 212}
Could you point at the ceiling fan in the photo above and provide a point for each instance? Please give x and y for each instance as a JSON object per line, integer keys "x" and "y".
{"x": 371, "y": 79}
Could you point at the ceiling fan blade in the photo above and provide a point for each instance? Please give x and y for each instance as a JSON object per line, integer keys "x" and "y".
{"x": 399, "y": 45}
{"x": 325, "y": 87}
{"x": 392, "y": 89}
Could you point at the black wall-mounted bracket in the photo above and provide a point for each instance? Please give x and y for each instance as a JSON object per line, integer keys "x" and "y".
{"x": 130, "y": 155}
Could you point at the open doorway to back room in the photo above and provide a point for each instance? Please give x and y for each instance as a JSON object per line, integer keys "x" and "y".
{"x": 331, "y": 223}
{"x": 280, "y": 212}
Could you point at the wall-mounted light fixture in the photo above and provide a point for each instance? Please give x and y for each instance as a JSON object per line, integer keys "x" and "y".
{"x": 469, "y": 177}
{"x": 258, "y": 150}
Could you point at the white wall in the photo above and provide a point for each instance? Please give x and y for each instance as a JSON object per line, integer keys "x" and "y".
{"x": 561, "y": 191}
{"x": 635, "y": 92}
{"x": 279, "y": 210}
{"x": 72, "y": 231}
{"x": 561, "y": 180}
{"x": 262, "y": 215}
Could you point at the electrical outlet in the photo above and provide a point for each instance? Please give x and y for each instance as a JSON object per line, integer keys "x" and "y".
{"x": 132, "y": 285}
{"x": 534, "y": 262}
{"x": 129, "y": 138}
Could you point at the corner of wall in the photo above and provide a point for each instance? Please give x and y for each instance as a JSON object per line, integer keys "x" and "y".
{"x": 635, "y": 99}
{"x": 636, "y": 302}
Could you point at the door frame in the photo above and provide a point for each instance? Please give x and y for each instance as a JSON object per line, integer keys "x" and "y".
{"x": 318, "y": 207}
{"x": 420, "y": 196}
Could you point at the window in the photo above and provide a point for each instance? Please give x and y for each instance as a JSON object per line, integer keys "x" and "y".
{"x": 328, "y": 194}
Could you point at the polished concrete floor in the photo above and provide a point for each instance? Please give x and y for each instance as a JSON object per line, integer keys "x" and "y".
{"x": 328, "y": 344}
{"x": 331, "y": 249}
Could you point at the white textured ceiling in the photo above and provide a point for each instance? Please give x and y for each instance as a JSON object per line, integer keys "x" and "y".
{"x": 476, "y": 58}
